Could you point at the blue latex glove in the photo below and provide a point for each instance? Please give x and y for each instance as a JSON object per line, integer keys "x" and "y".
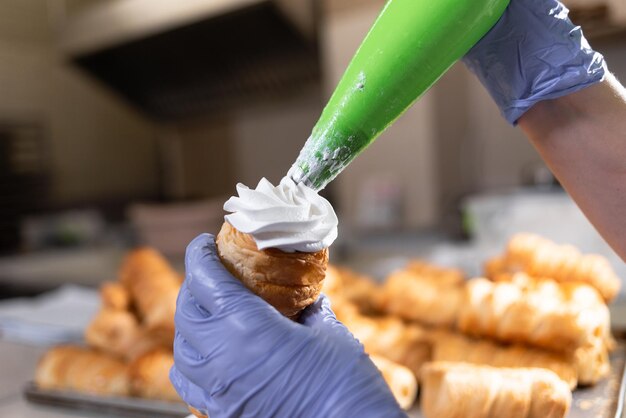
{"x": 532, "y": 54}
{"x": 236, "y": 356}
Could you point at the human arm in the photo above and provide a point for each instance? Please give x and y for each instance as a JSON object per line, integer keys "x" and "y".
{"x": 236, "y": 356}
{"x": 582, "y": 138}
{"x": 544, "y": 75}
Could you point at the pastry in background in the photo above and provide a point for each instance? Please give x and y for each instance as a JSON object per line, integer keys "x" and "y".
{"x": 113, "y": 331}
{"x": 431, "y": 299}
{"x": 82, "y": 370}
{"x": 149, "y": 376}
{"x": 592, "y": 363}
{"x": 442, "y": 274}
{"x": 451, "y": 347}
{"x": 120, "y": 334}
{"x": 401, "y": 381}
{"x": 541, "y": 257}
{"x": 541, "y": 313}
{"x": 288, "y": 281}
{"x": 459, "y": 390}
{"x": 153, "y": 286}
{"x": 360, "y": 290}
{"x": 115, "y": 296}
{"x": 387, "y": 336}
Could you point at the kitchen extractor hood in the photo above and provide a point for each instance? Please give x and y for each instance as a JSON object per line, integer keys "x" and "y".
{"x": 179, "y": 59}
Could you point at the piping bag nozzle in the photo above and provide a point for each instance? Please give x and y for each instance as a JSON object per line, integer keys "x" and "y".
{"x": 409, "y": 47}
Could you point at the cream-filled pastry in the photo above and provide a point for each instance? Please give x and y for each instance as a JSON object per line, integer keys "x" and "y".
{"x": 275, "y": 240}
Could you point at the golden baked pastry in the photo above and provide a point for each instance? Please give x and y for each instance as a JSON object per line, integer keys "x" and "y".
{"x": 425, "y": 298}
{"x": 460, "y": 390}
{"x": 541, "y": 257}
{"x": 113, "y": 331}
{"x": 114, "y": 296}
{"x": 401, "y": 381}
{"x": 153, "y": 286}
{"x": 119, "y": 333}
{"x": 441, "y": 274}
{"x": 360, "y": 290}
{"x": 592, "y": 363}
{"x": 542, "y": 313}
{"x": 288, "y": 281}
{"x": 82, "y": 370}
{"x": 386, "y": 336}
{"x": 149, "y": 376}
{"x": 451, "y": 347}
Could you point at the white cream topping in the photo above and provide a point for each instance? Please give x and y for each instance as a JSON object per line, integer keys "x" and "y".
{"x": 290, "y": 217}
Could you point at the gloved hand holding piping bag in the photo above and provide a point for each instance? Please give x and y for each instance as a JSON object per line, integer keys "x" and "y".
{"x": 237, "y": 356}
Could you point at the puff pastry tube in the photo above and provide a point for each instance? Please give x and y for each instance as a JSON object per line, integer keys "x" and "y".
{"x": 82, "y": 370}
{"x": 153, "y": 286}
{"x": 541, "y": 313}
{"x": 401, "y": 381}
{"x": 288, "y": 281}
{"x": 592, "y": 363}
{"x": 358, "y": 289}
{"x": 115, "y": 296}
{"x": 429, "y": 299}
{"x": 387, "y": 336}
{"x": 458, "y": 390}
{"x": 541, "y": 257}
{"x": 451, "y": 347}
{"x": 149, "y": 376}
{"x": 119, "y": 333}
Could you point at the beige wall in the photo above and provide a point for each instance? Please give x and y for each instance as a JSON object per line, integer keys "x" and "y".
{"x": 268, "y": 139}
{"x": 99, "y": 146}
{"x": 209, "y": 156}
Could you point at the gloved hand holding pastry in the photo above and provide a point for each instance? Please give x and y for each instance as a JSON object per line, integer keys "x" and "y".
{"x": 254, "y": 337}
{"x": 237, "y": 356}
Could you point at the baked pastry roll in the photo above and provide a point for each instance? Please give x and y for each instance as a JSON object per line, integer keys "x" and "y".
{"x": 592, "y": 363}
{"x": 428, "y": 299}
{"x": 459, "y": 390}
{"x": 541, "y": 257}
{"x": 120, "y": 334}
{"x": 451, "y": 347}
{"x": 401, "y": 381}
{"x": 288, "y": 281}
{"x": 114, "y": 296}
{"x": 387, "y": 336}
{"x": 441, "y": 274}
{"x": 149, "y": 376}
{"x": 82, "y": 370}
{"x": 153, "y": 286}
{"x": 113, "y": 331}
{"x": 541, "y": 313}
{"x": 360, "y": 290}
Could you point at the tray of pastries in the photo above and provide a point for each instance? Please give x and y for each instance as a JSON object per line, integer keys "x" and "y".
{"x": 531, "y": 338}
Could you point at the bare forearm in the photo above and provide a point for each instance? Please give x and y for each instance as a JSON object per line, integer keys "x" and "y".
{"x": 582, "y": 138}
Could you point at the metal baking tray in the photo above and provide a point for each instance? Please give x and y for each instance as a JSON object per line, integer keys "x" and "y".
{"x": 105, "y": 405}
{"x": 604, "y": 400}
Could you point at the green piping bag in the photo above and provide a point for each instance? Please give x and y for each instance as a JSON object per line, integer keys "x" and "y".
{"x": 409, "y": 47}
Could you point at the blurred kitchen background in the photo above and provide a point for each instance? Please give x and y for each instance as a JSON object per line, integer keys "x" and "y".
{"x": 127, "y": 122}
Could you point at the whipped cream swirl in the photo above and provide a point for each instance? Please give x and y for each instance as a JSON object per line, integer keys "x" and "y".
{"x": 290, "y": 217}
